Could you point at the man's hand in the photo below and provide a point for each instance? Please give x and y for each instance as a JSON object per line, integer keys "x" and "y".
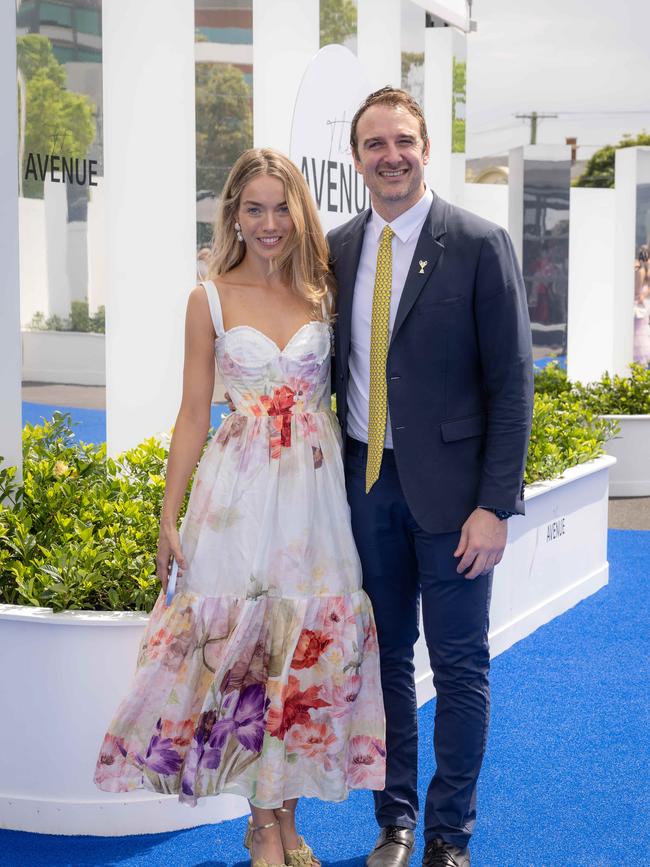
{"x": 482, "y": 541}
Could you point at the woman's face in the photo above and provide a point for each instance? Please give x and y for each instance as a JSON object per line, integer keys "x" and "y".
{"x": 264, "y": 217}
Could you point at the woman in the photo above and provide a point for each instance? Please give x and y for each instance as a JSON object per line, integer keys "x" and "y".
{"x": 261, "y": 676}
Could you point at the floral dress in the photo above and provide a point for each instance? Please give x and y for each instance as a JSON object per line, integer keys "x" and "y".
{"x": 261, "y": 677}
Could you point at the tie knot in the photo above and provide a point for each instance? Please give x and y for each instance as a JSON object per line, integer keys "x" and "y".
{"x": 386, "y": 235}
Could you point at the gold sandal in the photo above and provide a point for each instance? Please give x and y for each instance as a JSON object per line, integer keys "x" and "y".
{"x": 248, "y": 843}
{"x": 303, "y": 856}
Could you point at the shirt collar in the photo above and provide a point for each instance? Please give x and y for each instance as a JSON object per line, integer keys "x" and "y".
{"x": 407, "y": 223}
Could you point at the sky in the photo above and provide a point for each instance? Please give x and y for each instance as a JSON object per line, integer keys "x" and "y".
{"x": 586, "y": 60}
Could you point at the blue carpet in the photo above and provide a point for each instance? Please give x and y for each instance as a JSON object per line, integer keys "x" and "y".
{"x": 90, "y": 424}
{"x": 541, "y": 363}
{"x": 565, "y": 780}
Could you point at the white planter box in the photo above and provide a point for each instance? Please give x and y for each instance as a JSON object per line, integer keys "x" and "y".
{"x": 556, "y": 556}
{"x": 64, "y": 674}
{"x": 62, "y": 677}
{"x": 631, "y": 448}
{"x": 69, "y": 357}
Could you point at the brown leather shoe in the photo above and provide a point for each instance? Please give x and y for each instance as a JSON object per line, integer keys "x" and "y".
{"x": 392, "y": 849}
{"x": 438, "y": 853}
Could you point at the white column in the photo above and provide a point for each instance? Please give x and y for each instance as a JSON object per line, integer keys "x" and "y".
{"x": 379, "y": 43}
{"x": 150, "y": 158}
{"x": 632, "y": 168}
{"x": 286, "y": 35}
{"x": 516, "y": 200}
{"x": 591, "y": 283}
{"x": 446, "y": 170}
{"x": 10, "y": 366}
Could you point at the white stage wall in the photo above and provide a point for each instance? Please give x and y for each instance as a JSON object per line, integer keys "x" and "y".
{"x": 149, "y": 157}
{"x": 591, "y": 283}
{"x": 445, "y": 172}
{"x": 279, "y": 63}
{"x": 11, "y": 415}
{"x": 489, "y": 201}
{"x": 379, "y": 47}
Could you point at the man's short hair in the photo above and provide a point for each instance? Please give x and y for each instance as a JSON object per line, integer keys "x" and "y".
{"x": 394, "y": 97}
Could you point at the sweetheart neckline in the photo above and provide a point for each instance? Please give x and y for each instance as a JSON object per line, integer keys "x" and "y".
{"x": 270, "y": 340}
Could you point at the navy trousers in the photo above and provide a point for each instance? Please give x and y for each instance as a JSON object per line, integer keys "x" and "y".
{"x": 402, "y": 564}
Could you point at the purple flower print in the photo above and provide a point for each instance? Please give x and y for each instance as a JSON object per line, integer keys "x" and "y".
{"x": 196, "y": 751}
{"x": 249, "y": 717}
{"x": 160, "y": 757}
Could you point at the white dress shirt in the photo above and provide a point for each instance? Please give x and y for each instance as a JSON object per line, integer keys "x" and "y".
{"x": 407, "y": 228}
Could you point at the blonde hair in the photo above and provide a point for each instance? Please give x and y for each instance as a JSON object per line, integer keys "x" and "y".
{"x": 304, "y": 263}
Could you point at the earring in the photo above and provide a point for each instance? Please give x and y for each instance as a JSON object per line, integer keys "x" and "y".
{"x": 240, "y": 237}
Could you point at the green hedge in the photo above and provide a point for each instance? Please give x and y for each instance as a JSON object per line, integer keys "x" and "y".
{"x": 610, "y": 395}
{"x": 81, "y": 530}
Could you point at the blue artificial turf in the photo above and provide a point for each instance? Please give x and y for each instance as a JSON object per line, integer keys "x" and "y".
{"x": 565, "y": 780}
{"x": 89, "y": 425}
{"x": 560, "y": 360}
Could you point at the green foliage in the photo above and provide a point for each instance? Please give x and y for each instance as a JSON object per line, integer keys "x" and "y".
{"x": 564, "y": 433}
{"x": 599, "y": 171}
{"x": 551, "y": 380}
{"x": 79, "y": 320}
{"x": 338, "y": 20}
{"x": 409, "y": 59}
{"x": 81, "y": 530}
{"x": 224, "y": 122}
{"x": 57, "y": 121}
{"x": 618, "y": 395}
{"x": 459, "y": 96}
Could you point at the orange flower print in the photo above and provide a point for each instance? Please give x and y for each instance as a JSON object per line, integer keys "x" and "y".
{"x": 179, "y": 733}
{"x": 280, "y": 407}
{"x": 313, "y": 740}
{"x": 309, "y": 647}
{"x": 295, "y": 708}
{"x": 112, "y": 767}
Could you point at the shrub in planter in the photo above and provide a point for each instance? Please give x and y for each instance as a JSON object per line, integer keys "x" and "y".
{"x": 617, "y": 395}
{"x": 551, "y": 380}
{"x": 564, "y": 433}
{"x": 80, "y": 531}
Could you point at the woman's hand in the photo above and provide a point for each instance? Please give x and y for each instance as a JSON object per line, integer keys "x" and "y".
{"x": 169, "y": 545}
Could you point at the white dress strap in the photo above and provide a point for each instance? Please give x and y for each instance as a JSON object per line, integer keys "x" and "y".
{"x": 215, "y": 306}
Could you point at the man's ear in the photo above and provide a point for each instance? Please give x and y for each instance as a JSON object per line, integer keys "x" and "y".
{"x": 426, "y": 152}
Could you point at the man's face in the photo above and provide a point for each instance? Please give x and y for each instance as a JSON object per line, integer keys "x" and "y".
{"x": 391, "y": 158}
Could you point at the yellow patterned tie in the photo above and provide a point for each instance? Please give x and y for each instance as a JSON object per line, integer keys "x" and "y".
{"x": 377, "y": 401}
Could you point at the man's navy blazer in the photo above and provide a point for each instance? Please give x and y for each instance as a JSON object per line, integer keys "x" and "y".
{"x": 459, "y": 367}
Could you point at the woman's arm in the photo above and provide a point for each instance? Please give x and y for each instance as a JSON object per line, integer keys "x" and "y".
{"x": 191, "y": 429}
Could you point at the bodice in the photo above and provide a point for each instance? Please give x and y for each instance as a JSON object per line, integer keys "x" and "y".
{"x": 262, "y": 379}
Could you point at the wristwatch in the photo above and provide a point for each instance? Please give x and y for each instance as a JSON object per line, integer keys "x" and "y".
{"x": 502, "y": 514}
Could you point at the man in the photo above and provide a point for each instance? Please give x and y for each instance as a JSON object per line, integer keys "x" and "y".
{"x": 434, "y": 392}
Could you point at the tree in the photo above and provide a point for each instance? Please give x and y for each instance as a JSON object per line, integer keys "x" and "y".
{"x": 599, "y": 171}
{"x": 224, "y": 122}
{"x": 338, "y": 20}
{"x": 57, "y": 121}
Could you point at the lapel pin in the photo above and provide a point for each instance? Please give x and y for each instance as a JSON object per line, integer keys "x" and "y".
{"x": 423, "y": 264}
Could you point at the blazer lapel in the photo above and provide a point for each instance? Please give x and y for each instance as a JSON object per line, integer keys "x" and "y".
{"x": 347, "y": 264}
{"x": 427, "y": 252}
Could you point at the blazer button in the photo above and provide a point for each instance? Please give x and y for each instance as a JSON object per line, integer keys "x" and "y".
{"x": 341, "y": 377}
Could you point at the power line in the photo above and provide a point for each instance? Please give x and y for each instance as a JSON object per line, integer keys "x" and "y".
{"x": 534, "y": 117}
